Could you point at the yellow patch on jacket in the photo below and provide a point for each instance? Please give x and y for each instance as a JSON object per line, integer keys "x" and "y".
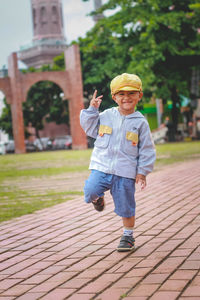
{"x": 133, "y": 137}
{"x": 104, "y": 129}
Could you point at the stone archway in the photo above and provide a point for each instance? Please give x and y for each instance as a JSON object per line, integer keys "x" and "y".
{"x": 16, "y": 86}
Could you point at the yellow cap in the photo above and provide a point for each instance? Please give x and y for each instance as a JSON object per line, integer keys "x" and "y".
{"x": 125, "y": 82}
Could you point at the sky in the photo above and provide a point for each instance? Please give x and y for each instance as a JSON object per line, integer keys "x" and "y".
{"x": 16, "y": 23}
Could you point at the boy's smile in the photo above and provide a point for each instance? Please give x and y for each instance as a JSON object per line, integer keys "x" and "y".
{"x": 127, "y": 100}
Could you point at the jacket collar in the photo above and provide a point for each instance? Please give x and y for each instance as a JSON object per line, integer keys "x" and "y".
{"x": 136, "y": 114}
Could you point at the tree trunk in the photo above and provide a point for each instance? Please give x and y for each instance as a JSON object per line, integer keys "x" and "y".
{"x": 175, "y": 108}
{"x": 175, "y": 112}
{"x": 38, "y": 136}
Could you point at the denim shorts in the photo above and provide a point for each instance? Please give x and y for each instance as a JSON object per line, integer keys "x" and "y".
{"x": 122, "y": 190}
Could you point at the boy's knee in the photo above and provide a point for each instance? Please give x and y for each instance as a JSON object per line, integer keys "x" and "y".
{"x": 90, "y": 193}
{"x": 93, "y": 188}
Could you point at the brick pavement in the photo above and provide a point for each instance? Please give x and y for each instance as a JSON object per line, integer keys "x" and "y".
{"x": 68, "y": 251}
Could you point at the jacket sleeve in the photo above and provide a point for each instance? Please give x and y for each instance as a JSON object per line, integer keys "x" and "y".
{"x": 89, "y": 120}
{"x": 147, "y": 152}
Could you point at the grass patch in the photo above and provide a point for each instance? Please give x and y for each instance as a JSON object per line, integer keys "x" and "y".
{"x": 176, "y": 152}
{"x": 43, "y": 164}
{"x": 15, "y": 201}
{"x": 39, "y": 172}
{"x": 18, "y": 203}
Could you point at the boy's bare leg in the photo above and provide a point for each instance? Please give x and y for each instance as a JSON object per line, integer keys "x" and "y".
{"x": 129, "y": 222}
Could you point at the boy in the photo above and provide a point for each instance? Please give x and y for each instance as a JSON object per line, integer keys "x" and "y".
{"x": 123, "y": 151}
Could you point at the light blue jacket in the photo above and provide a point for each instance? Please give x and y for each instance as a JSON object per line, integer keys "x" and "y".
{"x": 123, "y": 144}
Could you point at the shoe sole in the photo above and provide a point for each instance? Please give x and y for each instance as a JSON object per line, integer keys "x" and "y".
{"x": 126, "y": 249}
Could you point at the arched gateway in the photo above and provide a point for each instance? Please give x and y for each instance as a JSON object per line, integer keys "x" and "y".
{"x": 16, "y": 86}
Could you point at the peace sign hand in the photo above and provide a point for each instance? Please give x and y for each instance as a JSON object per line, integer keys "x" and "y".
{"x": 96, "y": 101}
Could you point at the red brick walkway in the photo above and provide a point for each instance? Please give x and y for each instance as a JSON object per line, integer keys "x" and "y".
{"x": 68, "y": 251}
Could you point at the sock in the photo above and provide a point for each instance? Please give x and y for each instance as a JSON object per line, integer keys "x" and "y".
{"x": 128, "y": 231}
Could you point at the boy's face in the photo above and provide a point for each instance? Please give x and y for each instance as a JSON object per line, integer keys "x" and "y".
{"x": 127, "y": 100}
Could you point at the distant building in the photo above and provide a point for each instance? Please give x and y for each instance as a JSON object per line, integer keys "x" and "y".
{"x": 97, "y": 5}
{"x": 48, "y": 40}
{"x": 3, "y": 72}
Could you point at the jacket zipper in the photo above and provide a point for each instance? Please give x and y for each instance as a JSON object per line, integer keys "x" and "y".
{"x": 117, "y": 143}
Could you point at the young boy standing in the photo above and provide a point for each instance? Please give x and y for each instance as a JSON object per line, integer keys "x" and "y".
{"x": 123, "y": 152}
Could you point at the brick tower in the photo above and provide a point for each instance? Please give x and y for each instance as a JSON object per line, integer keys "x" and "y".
{"x": 48, "y": 40}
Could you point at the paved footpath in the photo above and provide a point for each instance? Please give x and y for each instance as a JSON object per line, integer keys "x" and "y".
{"x": 68, "y": 251}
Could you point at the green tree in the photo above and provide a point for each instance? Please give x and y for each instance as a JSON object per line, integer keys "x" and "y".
{"x": 6, "y": 119}
{"x": 44, "y": 104}
{"x": 159, "y": 40}
{"x": 59, "y": 63}
{"x": 103, "y": 56}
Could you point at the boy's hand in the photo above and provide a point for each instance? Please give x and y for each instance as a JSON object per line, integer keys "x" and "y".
{"x": 96, "y": 101}
{"x": 142, "y": 180}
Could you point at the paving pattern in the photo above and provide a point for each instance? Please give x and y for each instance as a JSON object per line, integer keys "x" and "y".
{"x": 68, "y": 251}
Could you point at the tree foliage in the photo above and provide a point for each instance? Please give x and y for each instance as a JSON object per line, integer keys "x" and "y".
{"x": 44, "y": 104}
{"x": 6, "y": 119}
{"x": 103, "y": 56}
{"x": 158, "y": 40}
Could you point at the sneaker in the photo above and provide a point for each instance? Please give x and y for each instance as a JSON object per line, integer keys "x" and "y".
{"x": 127, "y": 243}
{"x": 99, "y": 204}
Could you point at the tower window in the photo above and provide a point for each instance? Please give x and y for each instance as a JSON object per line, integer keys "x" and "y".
{"x": 34, "y": 18}
{"x": 61, "y": 17}
{"x": 43, "y": 15}
{"x": 54, "y": 14}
